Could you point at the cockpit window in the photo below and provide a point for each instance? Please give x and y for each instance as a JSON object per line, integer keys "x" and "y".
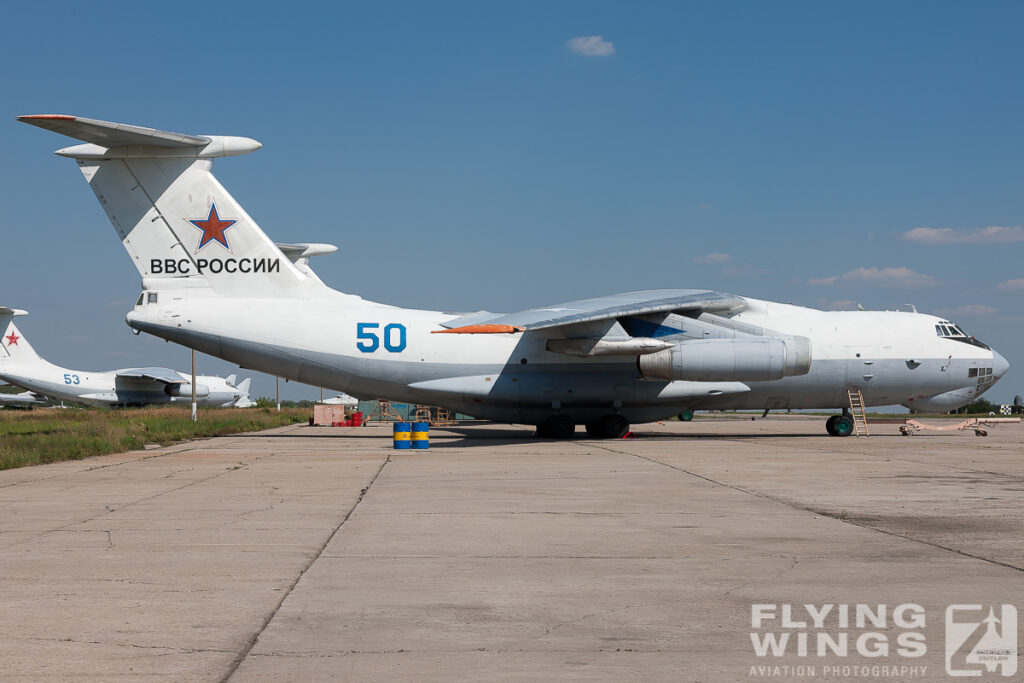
{"x": 142, "y": 297}
{"x": 152, "y": 297}
{"x": 948, "y": 330}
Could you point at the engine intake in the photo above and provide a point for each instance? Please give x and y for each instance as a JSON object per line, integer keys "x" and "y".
{"x": 750, "y": 359}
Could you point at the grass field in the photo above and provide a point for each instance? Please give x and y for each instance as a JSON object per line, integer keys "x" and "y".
{"x": 41, "y": 436}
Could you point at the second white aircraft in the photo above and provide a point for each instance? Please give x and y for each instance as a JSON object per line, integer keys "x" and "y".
{"x": 21, "y": 366}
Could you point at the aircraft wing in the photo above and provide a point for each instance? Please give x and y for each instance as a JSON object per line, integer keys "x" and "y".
{"x": 109, "y": 134}
{"x": 607, "y": 307}
{"x": 162, "y": 375}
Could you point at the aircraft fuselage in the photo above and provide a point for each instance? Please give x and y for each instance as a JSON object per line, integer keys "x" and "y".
{"x": 372, "y": 350}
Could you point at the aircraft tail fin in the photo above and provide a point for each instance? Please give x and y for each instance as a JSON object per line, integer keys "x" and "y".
{"x": 244, "y": 400}
{"x": 177, "y": 222}
{"x": 13, "y": 345}
{"x": 230, "y": 380}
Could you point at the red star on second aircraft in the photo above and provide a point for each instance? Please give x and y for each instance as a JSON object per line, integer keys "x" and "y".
{"x": 213, "y": 228}
{"x": 12, "y": 339}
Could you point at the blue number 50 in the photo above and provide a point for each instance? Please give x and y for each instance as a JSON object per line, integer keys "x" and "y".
{"x": 394, "y": 337}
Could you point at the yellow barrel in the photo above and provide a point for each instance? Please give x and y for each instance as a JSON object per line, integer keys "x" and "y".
{"x": 401, "y": 435}
{"x": 421, "y": 435}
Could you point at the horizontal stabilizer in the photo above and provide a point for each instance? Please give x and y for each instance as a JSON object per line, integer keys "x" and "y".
{"x": 6, "y": 312}
{"x": 108, "y": 140}
{"x": 109, "y": 134}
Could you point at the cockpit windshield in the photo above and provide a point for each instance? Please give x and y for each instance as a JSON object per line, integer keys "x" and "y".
{"x": 949, "y": 330}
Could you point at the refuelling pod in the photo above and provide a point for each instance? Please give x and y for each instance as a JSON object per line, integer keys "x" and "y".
{"x": 185, "y": 389}
{"x": 745, "y": 359}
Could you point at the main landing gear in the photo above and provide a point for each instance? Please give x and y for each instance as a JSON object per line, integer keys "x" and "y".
{"x": 556, "y": 427}
{"x": 562, "y": 427}
{"x": 839, "y": 425}
{"x": 608, "y": 427}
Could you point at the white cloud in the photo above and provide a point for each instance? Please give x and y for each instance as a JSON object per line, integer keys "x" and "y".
{"x": 716, "y": 257}
{"x": 902, "y": 277}
{"x": 1012, "y": 285}
{"x": 823, "y": 281}
{"x": 591, "y": 46}
{"x": 993, "y": 234}
{"x": 967, "y": 311}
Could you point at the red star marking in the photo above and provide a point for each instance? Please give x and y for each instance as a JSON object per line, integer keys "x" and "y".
{"x": 213, "y": 228}
{"x": 12, "y": 339}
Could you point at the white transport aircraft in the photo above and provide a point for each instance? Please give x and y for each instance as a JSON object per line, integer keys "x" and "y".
{"x": 212, "y": 280}
{"x": 22, "y": 399}
{"x": 341, "y": 400}
{"x": 21, "y": 366}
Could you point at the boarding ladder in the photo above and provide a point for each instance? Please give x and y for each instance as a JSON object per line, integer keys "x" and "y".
{"x": 860, "y": 418}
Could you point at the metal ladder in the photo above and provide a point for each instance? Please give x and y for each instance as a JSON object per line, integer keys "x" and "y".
{"x": 860, "y": 418}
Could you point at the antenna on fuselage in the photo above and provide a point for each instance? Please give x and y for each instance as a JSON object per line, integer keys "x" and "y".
{"x": 913, "y": 308}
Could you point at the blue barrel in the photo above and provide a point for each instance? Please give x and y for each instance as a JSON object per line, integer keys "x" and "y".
{"x": 421, "y": 435}
{"x": 401, "y": 435}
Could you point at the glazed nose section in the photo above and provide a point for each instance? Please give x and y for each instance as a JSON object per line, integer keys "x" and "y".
{"x": 999, "y": 364}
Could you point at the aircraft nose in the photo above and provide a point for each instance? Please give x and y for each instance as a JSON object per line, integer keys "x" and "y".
{"x": 999, "y": 364}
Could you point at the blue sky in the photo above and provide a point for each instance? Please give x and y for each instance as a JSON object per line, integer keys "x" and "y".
{"x": 465, "y": 156}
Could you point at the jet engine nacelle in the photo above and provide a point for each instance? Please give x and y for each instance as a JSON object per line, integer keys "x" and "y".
{"x": 744, "y": 359}
{"x": 202, "y": 391}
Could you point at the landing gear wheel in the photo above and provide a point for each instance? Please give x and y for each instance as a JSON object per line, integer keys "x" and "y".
{"x": 557, "y": 427}
{"x": 830, "y": 425}
{"x": 608, "y": 427}
{"x": 686, "y": 415}
{"x": 843, "y": 425}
